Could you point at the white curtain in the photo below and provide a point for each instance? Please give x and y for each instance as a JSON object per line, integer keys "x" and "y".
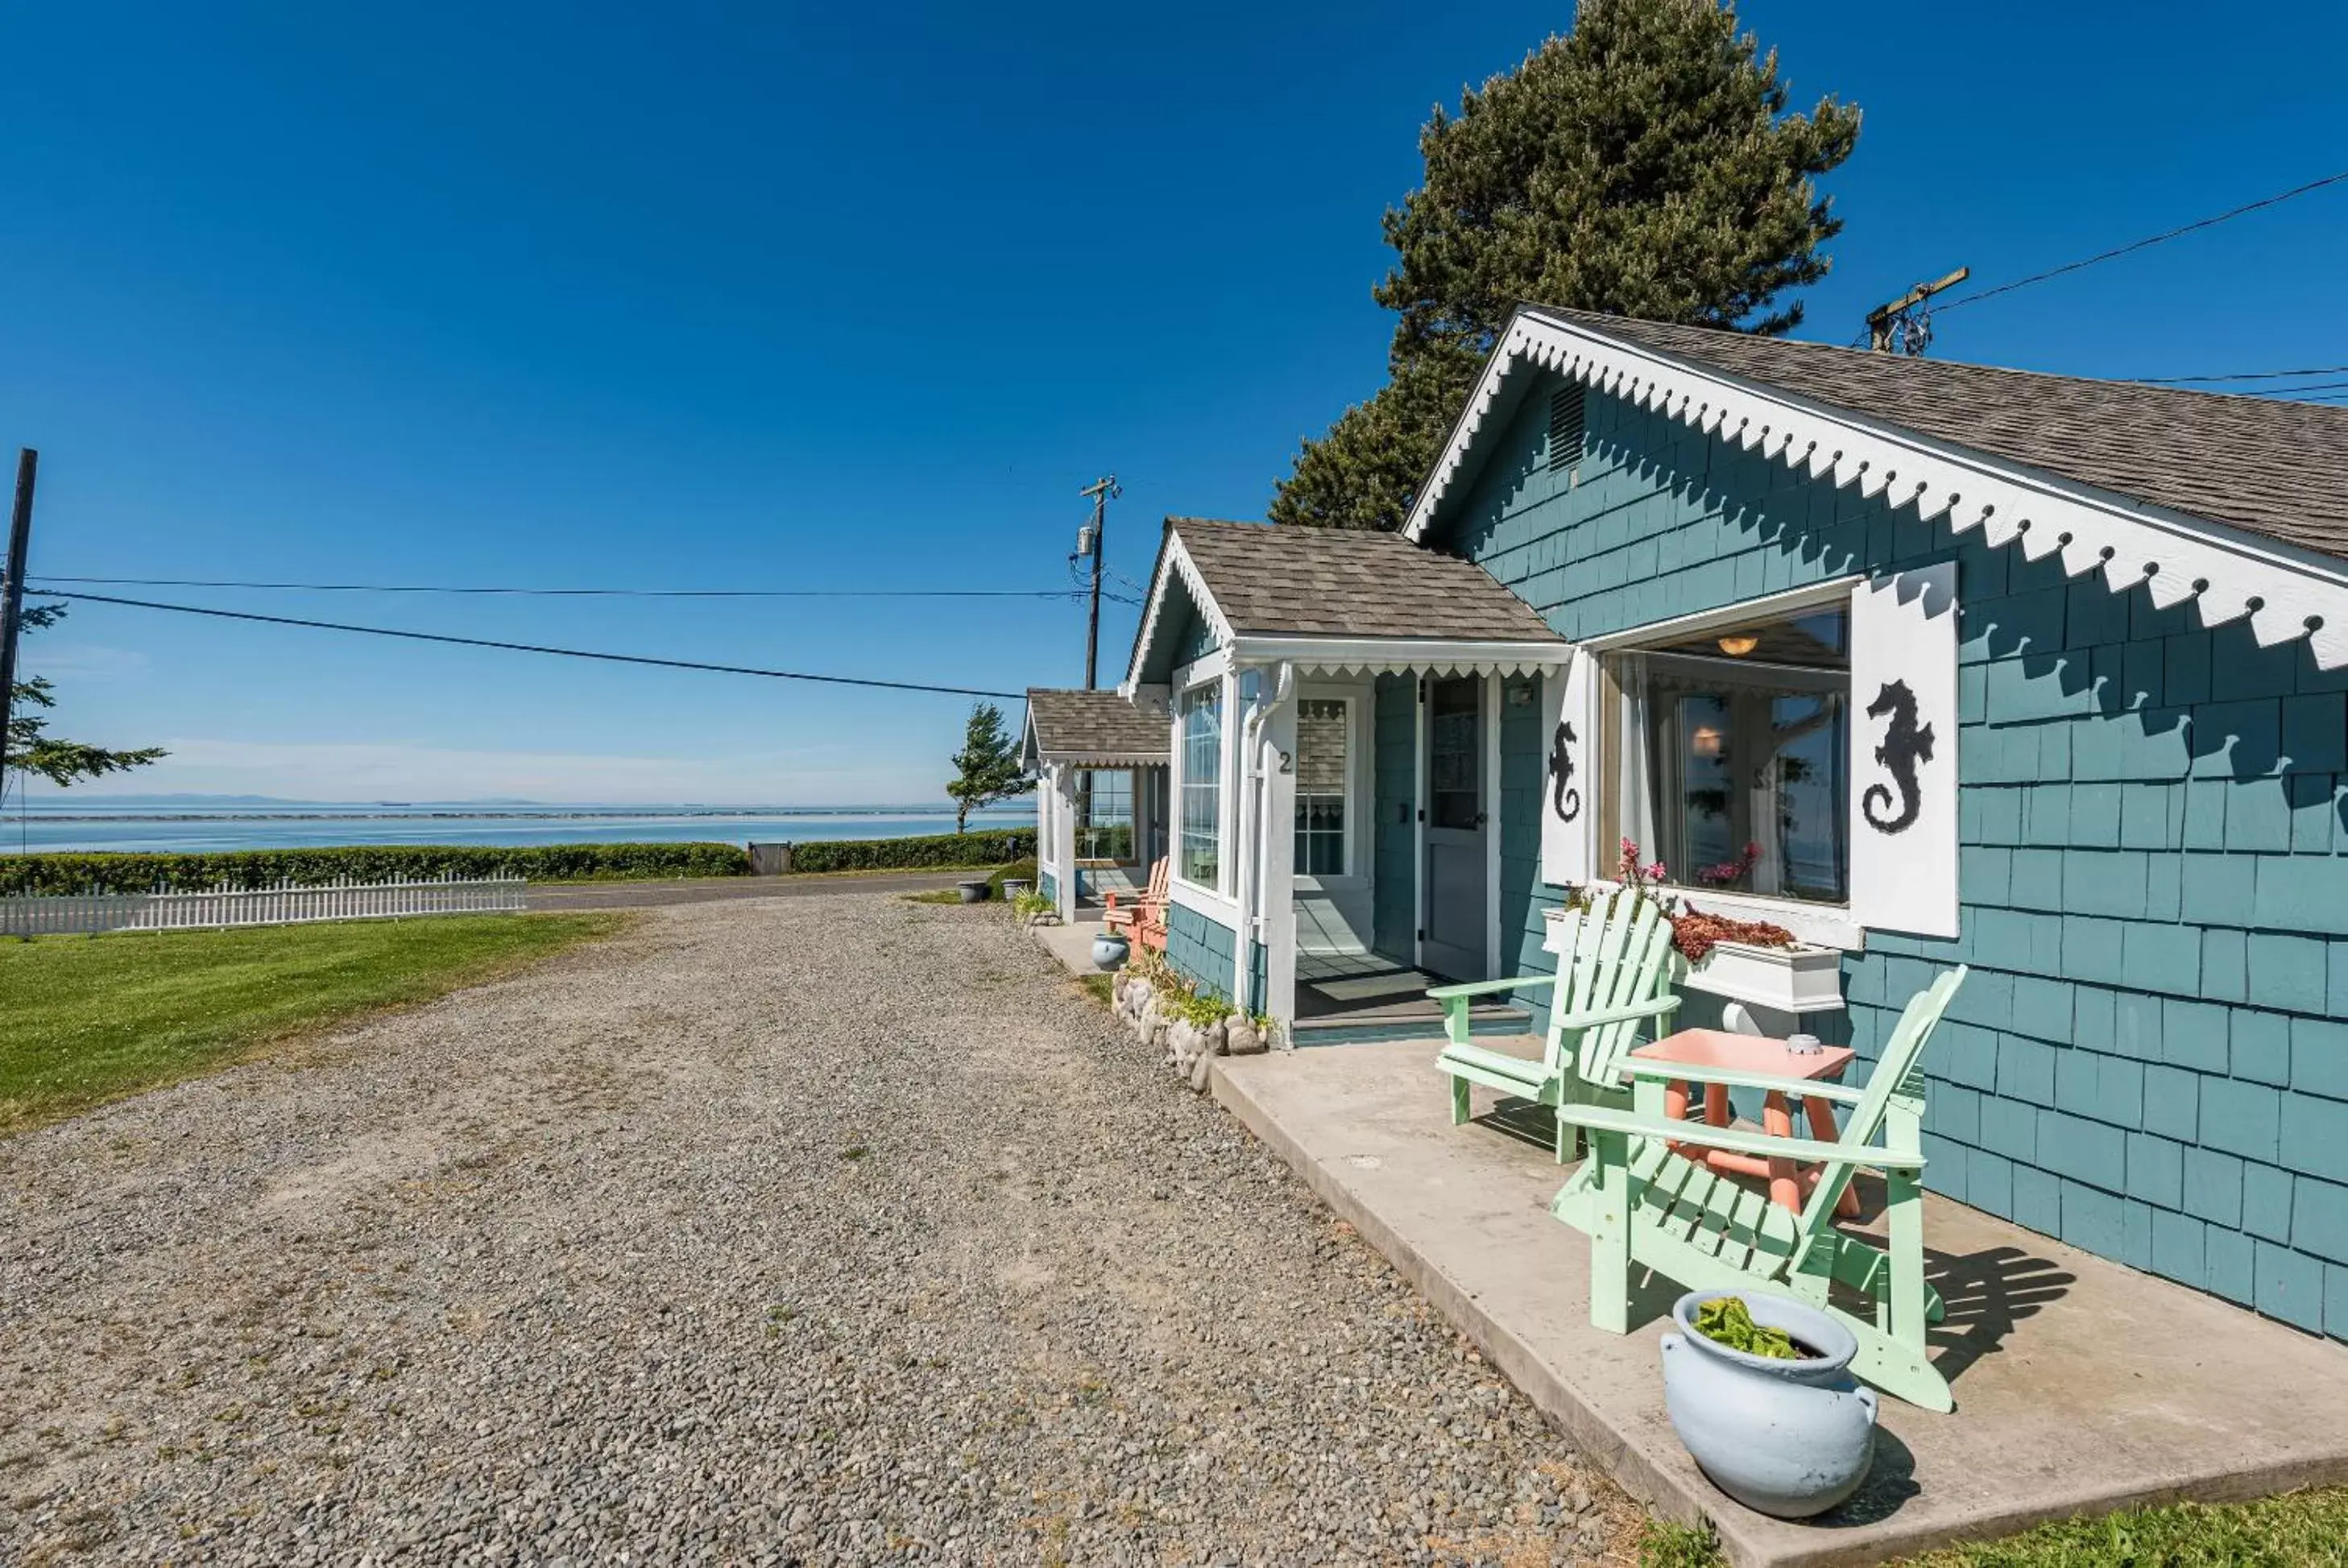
{"x": 1636, "y": 787}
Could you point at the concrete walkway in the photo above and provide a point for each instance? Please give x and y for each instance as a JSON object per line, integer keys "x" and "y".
{"x": 1072, "y": 942}
{"x": 2080, "y": 1385}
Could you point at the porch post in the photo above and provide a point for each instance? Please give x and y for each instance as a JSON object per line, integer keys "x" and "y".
{"x": 1063, "y": 840}
{"x": 1043, "y": 866}
{"x": 1276, "y": 845}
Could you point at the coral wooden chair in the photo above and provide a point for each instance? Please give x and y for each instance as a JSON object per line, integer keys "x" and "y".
{"x": 1639, "y": 1204}
{"x": 1144, "y": 922}
{"x": 1617, "y": 977}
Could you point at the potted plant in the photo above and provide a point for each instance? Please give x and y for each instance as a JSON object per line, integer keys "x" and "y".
{"x": 1759, "y": 1390}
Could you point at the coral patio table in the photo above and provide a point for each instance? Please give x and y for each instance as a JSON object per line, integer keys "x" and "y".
{"x": 1757, "y": 1054}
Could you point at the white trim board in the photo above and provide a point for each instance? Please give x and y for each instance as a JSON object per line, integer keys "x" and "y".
{"x": 2228, "y": 573}
{"x": 1402, "y": 655}
{"x": 1172, "y": 560}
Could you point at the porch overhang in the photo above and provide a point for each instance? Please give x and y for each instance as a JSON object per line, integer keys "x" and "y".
{"x": 1402, "y": 655}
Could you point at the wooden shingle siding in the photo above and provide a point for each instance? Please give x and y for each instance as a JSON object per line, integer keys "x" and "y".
{"x": 2147, "y": 1062}
{"x": 1200, "y": 950}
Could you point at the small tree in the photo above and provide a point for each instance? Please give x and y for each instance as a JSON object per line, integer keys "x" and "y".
{"x": 986, "y": 769}
{"x": 28, "y": 748}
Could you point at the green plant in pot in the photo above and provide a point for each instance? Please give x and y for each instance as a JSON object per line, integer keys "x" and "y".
{"x": 1758, "y": 1387}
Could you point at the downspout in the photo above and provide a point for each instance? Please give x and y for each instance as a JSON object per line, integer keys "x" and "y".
{"x": 1254, "y": 834}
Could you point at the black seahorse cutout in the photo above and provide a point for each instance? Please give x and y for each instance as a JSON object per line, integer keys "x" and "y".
{"x": 1566, "y": 802}
{"x": 1905, "y": 744}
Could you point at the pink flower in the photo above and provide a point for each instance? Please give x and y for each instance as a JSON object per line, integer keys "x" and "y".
{"x": 1655, "y": 872}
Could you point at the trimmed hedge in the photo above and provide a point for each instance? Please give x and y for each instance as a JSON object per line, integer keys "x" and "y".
{"x": 911, "y": 854}
{"x": 133, "y": 872}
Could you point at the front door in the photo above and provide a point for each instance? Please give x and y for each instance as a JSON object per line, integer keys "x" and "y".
{"x": 1453, "y": 944}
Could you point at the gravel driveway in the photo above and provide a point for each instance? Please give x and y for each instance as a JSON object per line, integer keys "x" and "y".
{"x": 824, "y": 1230}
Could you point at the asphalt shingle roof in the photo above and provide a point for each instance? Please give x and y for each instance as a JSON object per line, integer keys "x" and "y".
{"x": 1278, "y": 581}
{"x": 2268, "y": 465}
{"x": 1077, "y": 723}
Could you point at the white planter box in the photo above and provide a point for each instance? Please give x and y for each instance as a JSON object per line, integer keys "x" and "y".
{"x": 1797, "y": 980}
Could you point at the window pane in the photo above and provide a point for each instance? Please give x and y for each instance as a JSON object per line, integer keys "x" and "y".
{"x": 1454, "y": 751}
{"x": 1739, "y": 780}
{"x": 1321, "y": 761}
{"x": 1105, "y": 815}
{"x": 1202, "y": 761}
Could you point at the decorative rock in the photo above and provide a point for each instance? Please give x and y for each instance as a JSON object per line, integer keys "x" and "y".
{"x": 1211, "y": 1039}
{"x": 1239, "y": 1038}
{"x": 1181, "y": 1043}
{"x": 1199, "y": 1071}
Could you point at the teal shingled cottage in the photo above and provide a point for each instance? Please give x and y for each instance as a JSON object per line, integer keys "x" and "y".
{"x": 1927, "y": 662}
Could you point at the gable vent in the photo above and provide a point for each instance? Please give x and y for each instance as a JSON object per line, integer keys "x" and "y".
{"x": 1564, "y": 427}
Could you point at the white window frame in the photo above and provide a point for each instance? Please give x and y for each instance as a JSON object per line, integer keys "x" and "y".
{"x": 1132, "y": 777}
{"x": 1827, "y": 925}
{"x": 1350, "y": 854}
{"x": 1219, "y": 685}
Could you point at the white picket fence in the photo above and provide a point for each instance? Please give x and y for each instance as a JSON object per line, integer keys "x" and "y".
{"x": 38, "y": 914}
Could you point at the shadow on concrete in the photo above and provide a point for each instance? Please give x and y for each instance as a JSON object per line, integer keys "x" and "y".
{"x": 1987, "y": 1293}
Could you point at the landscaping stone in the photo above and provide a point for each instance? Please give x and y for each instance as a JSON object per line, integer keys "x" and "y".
{"x": 827, "y": 1230}
{"x": 1240, "y": 1036}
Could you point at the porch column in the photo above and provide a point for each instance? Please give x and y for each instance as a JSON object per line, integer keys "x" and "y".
{"x": 1276, "y": 845}
{"x": 1063, "y": 840}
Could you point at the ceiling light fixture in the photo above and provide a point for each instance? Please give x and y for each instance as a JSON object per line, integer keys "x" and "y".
{"x": 1740, "y": 644}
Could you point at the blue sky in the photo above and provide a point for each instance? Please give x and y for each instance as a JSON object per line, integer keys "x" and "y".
{"x": 729, "y": 295}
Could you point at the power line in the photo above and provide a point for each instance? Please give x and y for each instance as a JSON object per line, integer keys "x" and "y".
{"x": 534, "y": 647}
{"x": 581, "y": 592}
{"x": 2241, "y": 376}
{"x": 2154, "y": 240}
{"x": 2297, "y": 391}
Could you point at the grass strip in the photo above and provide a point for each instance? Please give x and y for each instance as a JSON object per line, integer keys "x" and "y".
{"x": 93, "y": 1019}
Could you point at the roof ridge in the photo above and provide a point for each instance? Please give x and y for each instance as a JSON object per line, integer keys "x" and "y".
{"x": 1571, "y": 315}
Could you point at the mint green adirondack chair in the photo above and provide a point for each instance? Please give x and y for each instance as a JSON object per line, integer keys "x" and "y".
{"x": 1618, "y": 977}
{"x": 1639, "y": 1204}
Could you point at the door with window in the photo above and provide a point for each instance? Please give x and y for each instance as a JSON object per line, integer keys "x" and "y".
{"x": 1457, "y": 822}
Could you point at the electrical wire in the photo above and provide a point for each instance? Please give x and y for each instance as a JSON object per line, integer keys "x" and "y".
{"x": 2200, "y": 223}
{"x": 2241, "y": 376}
{"x": 2296, "y": 391}
{"x": 574, "y": 592}
{"x": 533, "y": 647}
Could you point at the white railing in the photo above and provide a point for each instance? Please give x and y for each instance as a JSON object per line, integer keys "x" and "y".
{"x": 36, "y": 915}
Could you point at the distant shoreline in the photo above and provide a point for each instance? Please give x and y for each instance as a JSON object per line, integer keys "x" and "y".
{"x": 582, "y": 813}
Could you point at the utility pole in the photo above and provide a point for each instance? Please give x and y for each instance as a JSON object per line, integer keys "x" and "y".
{"x": 1090, "y": 542}
{"x": 1901, "y": 323}
{"x": 12, "y": 593}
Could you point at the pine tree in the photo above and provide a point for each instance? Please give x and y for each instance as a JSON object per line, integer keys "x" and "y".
{"x": 986, "y": 769}
{"x": 28, "y": 748}
{"x": 1642, "y": 164}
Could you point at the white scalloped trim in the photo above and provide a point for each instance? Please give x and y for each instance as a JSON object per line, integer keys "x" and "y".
{"x": 2286, "y": 593}
{"x": 1172, "y": 559}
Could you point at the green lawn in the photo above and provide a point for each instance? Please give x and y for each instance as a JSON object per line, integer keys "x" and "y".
{"x": 2300, "y": 1530}
{"x": 91, "y": 1019}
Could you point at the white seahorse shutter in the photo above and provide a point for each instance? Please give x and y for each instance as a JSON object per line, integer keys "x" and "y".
{"x": 1568, "y": 805}
{"x": 1903, "y": 752}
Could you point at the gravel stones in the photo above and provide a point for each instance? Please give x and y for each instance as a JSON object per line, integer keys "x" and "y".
{"x": 813, "y": 1230}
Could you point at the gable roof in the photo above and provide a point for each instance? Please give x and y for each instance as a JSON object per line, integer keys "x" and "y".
{"x": 1362, "y": 599}
{"x": 1080, "y": 727}
{"x": 2097, "y": 474}
{"x": 2270, "y": 467}
{"x": 1277, "y": 581}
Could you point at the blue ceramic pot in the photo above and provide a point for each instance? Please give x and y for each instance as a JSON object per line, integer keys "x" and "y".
{"x": 1788, "y": 1439}
{"x": 1109, "y": 952}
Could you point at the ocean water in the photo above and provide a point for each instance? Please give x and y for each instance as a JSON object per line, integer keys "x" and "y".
{"x": 57, "y": 826}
